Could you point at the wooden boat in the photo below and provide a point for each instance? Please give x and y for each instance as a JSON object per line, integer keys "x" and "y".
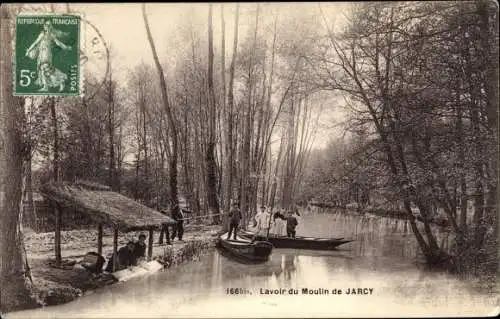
{"x": 299, "y": 242}
{"x": 243, "y": 248}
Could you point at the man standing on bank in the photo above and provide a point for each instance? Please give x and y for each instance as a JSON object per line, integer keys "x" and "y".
{"x": 234, "y": 220}
{"x": 178, "y": 228}
{"x": 164, "y": 231}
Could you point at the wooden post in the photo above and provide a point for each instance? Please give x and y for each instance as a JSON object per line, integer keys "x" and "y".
{"x": 99, "y": 239}
{"x": 167, "y": 233}
{"x": 150, "y": 244}
{"x": 57, "y": 238}
{"x": 115, "y": 248}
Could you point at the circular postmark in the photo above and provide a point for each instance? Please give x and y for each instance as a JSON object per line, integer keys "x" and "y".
{"x": 94, "y": 59}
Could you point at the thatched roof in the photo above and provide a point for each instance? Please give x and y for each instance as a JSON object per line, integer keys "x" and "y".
{"x": 104, "y": 206}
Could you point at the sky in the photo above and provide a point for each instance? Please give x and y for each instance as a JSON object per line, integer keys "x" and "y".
{"x": 122, "y": 25}
{"x": 122, "y": 28}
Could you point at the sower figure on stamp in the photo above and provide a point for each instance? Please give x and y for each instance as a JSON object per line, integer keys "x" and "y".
{"x": 234, "y": 220}
{"x": 41, "y": 50}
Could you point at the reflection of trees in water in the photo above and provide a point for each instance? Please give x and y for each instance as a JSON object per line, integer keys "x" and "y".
{"x": 353, "y": 269}
{"x": 289, "y": 267}
{"x": 216, "y": 270}
{"x": 377, "y": 235}
{"x": 230, "y": 269}
{"x": 114, "y": 298}
{"x": 197, "y": 275}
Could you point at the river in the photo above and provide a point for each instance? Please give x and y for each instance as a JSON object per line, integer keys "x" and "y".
{"x": 382, "y": 262}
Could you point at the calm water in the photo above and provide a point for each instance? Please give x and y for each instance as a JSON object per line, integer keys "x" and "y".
{"x": 382, "y": 262}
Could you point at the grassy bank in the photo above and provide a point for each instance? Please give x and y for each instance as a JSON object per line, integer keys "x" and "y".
{"x": 57, "y": 285}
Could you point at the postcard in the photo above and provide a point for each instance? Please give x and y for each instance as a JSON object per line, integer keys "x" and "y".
{"x": 249, "y": 160}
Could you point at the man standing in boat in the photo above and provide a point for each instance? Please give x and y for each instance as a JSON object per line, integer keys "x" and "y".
{"x": 291, "y": 224}
{"x": 234, "y": 220}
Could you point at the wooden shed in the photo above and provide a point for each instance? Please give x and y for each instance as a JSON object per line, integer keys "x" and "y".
{"x": 105, "y": 208}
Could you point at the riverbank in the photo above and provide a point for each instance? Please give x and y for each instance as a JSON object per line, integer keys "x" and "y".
{"x": 381, "y": 258}
{"x": 56, "y": 285}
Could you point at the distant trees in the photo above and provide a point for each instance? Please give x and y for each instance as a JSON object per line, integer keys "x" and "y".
{"x": 225, "y": 148}
{"x": 348, "y": 170}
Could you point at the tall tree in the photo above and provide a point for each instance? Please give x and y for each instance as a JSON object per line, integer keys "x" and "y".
{"x": 15, "y": 278}
{"x": 174, "y": 200}
{"x": 111, "y": 132}
{"x": 230, "y": 99}
{"x": 213, "y": 202}
{"x": 224, "y": 110}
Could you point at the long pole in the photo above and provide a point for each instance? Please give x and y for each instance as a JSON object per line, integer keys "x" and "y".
{"x": 203, "y": 216}
{"x": 150, "y": 244}
{"x": 99, "y": 239}
{"x": 269, "y": 225}
{"x": 57, "y": 237}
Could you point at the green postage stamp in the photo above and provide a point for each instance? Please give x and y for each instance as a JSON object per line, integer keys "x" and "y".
{"x": 47, "y": 51}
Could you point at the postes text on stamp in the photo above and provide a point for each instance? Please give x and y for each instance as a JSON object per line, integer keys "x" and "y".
{"x": 47, "y": 51}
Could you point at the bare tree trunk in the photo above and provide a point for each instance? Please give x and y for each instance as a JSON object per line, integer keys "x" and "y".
{"x": 461, "y": 163}
{"x": 245, "y": 195}
{"x": 307, "y": 130}
{"x": 55, "y": 136}
{"x": 225, "y": 118}
{"x": 137, "y": 158}
{"x": 213, "y": 202}
{"x": 28, "y": 209}
{"x": 28, "y": 213}
{"x": 489, "y": 43}
{"x": 230, "y": 99}
{"x": 174, "y": 200}
{"x": 275, "y": 177}
{"x": 479, "y": 171}
{"x": 87, "y": 141}
{"x": 119, "y": 158}
{"x": 14, "y": 271}
{"x": 111, "y": 135}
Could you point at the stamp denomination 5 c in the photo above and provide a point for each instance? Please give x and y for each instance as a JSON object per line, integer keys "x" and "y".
{"x": 47, "y": 55}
